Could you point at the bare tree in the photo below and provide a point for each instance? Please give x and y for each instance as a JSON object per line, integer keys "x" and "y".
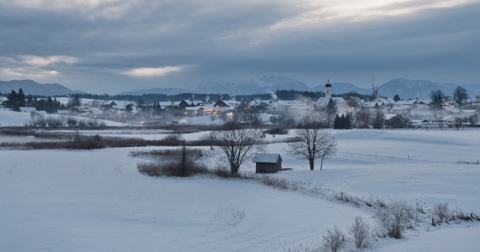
{"x": 394, "y": 218}
{"x": 379, "y": 120}
{"x": 441, "y": 211}
{"x": 363, "y": 118}
{"x": 473, "y": 119}
{"x": 360, "y": 230}
{"x": 314, "y": 143}
{"x": 334, "y": 240}
{"x": 237, "y": 141}
{"x": 460, "y": 95}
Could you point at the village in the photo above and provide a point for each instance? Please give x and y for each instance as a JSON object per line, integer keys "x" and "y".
{"x": 373, "y": 111}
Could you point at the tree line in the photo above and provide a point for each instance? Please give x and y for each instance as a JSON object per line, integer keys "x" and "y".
{"x": 16, "y": 100}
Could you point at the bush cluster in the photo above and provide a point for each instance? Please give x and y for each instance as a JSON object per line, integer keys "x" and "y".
{"x": 335, "y": 239}
{"x": 69, "y": 145}
{"x": 394, "y": 218}
{"x": 171, "y": 169}
{"x": 276, "y": 131}
{"x": 171, "y": 163}
{"x": 40, "y": 121}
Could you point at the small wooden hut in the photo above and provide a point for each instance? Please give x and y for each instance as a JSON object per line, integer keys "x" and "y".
{"x": 267, "y": 162}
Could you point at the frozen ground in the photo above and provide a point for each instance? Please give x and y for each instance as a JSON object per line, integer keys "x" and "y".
{"x": 11, "y": 118}
{"x": 57, "y": 200}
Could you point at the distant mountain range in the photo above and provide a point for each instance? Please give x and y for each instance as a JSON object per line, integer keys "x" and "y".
{"x": 262, "y": 85}
{"x": 34, "y": 88}
{"x": 266, "y": 84}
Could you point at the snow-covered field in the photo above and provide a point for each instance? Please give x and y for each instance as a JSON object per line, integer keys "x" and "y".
{"x": 12, "y": 118}
{"x": 59, "y": 200}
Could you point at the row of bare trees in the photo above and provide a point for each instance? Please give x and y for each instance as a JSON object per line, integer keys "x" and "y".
{"x": 238, "y": 138}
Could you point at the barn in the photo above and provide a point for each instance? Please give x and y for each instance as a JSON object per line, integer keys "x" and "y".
{"x": 267, "y": 162}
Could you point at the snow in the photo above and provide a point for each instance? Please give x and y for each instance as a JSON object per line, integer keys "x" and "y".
{"x": 97, "y": 201}
{"x": 11, "y": 118}
{"x": 442, "y": 240}
{"x": 60, "y": 200}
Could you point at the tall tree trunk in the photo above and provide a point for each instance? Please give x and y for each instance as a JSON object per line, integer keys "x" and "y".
{"x": 321, "y": 163}
{"x": 234, "y": 169}
{"x": 184, "y": 159}
{"x": 311, "y": 162}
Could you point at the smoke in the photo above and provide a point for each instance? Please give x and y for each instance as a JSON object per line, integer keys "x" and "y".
{"x": 273, "y": 95}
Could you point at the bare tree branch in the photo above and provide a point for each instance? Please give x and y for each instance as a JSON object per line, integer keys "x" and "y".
{"x": 315, "y": 142}
{"x": 237, "y": 141}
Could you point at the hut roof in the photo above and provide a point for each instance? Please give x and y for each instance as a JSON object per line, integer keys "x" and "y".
{"x": 266, "y": 158}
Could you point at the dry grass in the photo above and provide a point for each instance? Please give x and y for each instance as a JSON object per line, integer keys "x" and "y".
{"x": 171, "y": 169}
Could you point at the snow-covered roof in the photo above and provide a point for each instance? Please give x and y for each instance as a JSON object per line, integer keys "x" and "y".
{"x": 421, "y": 113}
{"x": 422, "y": 106}
{"x": 266, "y": 158}
{"x": 232, "y": 102}
{"x": 389, "y": 116}
{"x": 194, "y": 108}
{"x": 449, "y": 118}
{"x": 256, "y": 102}
{"x": 453, "y": 110}
{"x": 371, "y": 104}
{"x": 380, "y": 100}
{"x": 97, "y": 111}
{"x": 405, "y": 102}
{"x": 325, "y": 100}
{"x": 63, "y": 112}
{"x": 28, "y": 109}
{"x": 400, "y": 107}
{"x": 212, "y": 108}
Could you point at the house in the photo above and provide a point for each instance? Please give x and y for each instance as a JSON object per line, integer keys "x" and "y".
{"x": 193, "y": 111}
{"x": 282, "y": 106}
{"x": 221, "y": 104}
{"x": 183, "y": 104}
{"x": 267, "y": 162}
{"x": 395, "y": 121}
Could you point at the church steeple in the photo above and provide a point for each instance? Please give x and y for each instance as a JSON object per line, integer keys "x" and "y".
{"x": 328, "y": 90}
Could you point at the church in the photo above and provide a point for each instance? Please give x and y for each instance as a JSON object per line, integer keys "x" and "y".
{"x": 323, "y": 101}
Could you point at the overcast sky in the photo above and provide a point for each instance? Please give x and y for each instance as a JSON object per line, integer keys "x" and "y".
{"x": 112, "y": 46}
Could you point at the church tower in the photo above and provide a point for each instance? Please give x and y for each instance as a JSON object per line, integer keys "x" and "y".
{"x": 328, "y": 90}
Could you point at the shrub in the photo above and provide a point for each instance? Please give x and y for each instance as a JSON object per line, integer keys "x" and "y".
{"x": 38, "y": 120}
{"x": 167, "y": 154}
{"x": 334, "y": 240}
{"x": 72, "y": 145}
{"x": 72, "y": 122}
{"x": 223, "y": 172}
{"x": 172, "y": 163}
{"x": 276, "y": 131}
{"x": 173, "y": 140}
{"x": 275, "y": 182}
{"x": 394, "y": 218}
{"x": 360, "y": 231}
{"x": 314, "y": 247}
{"x": 54, "y": 122}
{"x": 171, "y": 169}
{"x": 441, "y": 211}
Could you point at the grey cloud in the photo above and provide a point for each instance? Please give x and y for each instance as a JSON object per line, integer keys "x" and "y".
{"x": 217, "y": 42}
